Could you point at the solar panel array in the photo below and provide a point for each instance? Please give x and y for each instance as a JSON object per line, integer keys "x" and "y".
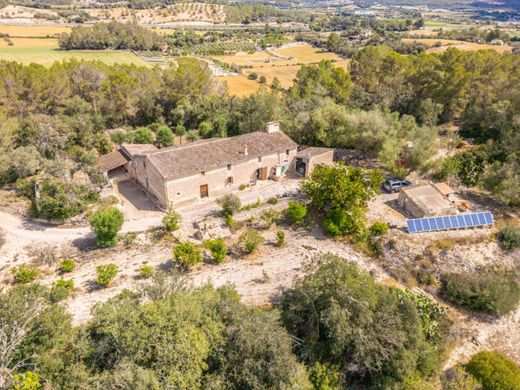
{"x": 448, "y": 222}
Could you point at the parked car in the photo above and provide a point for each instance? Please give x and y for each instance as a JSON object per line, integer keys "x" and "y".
{"x": 393, "y": 185}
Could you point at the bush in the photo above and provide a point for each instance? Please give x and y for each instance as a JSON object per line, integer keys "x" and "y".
{"x": 105, "y": 274}
{"x": 242, "y": 187}
{"x": 61, "y": 290}
{"x": 509, "y": 237}
{"x": 218, "y": 249}
{"x": 492, "y": 292}
{"x": 340, "y": 222}
{"x": 252, "y": 76}
{"x": 25, "y": 273}
{"x": 67, "y": 265}
{"x": 143, "y": 135}
{"x": 172, "y": 220}
{"x": 296, "y": 212}
{"x": 229, "y": 220}
{"x": 250, "y": 240}
{"x": 280, "y": 238}
{"x": 494, "y": 371}
{"x": 230, "y": 204}
{"x": 378, "y": 228}
{"x": 269, "y": 217}
{"x": 272, "y": 201}
{"x": 106, "y": 223}
{"x": 459, "y": 379}
{"x": 146, "y": 271}
{"x": 187, "y": 254}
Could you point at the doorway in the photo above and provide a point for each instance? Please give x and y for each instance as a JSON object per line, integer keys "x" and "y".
{"x": 204, "y": 192}
{"x": 261, "y": 173}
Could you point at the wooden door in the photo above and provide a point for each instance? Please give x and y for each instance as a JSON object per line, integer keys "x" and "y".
{"x": 263, "y": 175}
{"x": 204, "y": 192}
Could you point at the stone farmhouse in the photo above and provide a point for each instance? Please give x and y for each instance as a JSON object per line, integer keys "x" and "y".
{"x": 210, "y": 167}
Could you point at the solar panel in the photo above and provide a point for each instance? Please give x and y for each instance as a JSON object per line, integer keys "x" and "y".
{"x": 448, "y": 222}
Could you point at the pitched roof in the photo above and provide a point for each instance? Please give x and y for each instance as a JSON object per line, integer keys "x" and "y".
{"x": 444, "y": 189}
{"x": 135, "y": 149}
{"x": 427, "y": 198}
{"x": 112, "y": 160}
{"x": 205, "y": 155}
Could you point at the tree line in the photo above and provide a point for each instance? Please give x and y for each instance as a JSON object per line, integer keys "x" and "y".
{"x": 113, "y": 35}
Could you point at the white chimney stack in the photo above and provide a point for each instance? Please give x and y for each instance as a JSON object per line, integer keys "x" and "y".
{"x": 272, "y": 127}
{"x": 245, "y": 150}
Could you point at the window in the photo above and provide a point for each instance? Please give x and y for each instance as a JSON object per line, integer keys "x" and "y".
{"x": 229, "y": 167}
{"x": 203, "y": 173}
{"x": 228, "y": 182}
{"x": 259, "y": 159}
{"x": 287, "y": 152}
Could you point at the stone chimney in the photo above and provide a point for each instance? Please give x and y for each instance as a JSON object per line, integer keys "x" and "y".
{"x": 245, "y": 150}
{"x": 272, "y": 127}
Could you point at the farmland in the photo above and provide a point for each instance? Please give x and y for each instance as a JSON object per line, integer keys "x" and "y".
{"x": 461, "y": 45}
{"x": 283, "y": 63}
{"x": 45, "y": 52}
{"x": 33, "y": 31}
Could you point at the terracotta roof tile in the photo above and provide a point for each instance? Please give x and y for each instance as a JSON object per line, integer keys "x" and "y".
{"x": 205, "y": 155}
{"x": 111, "y": 161}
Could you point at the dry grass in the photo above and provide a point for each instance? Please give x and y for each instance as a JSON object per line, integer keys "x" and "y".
{"x": 461, "y": 45}
{"x": 33, "y": 31}
{"x": 27, "y": 43}
{"x": 240, "y": 85}
{"x": 425, "y": 33}
{"x": 293, "y": 55}
{"x": 286, "y": 74}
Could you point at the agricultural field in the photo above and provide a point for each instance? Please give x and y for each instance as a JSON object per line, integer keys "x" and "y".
{"x": 33, "y": 31}
{"x": 45, "y": 52}
{"x": 461, "y": 45}
{"x": 181, "y": 12}
{"x": 286, "y": 74}
{"x": 283, "y": 63}
{"x": 240, "y": 85}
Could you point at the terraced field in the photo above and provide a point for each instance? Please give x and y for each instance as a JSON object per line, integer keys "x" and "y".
{"x": 461, "y": 45}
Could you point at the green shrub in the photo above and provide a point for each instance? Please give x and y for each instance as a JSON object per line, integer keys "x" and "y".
{"x": 269, "y": 217}
{"x": 242, "y": 187}
{"x": 494, "y": 371}
{"x": 509, "y": 237}
{"x": 340, "y": 222}
{"x": 378, "y": 228}
{"x": 229, "y": 220}
{"x": 458, "y": 378}
{"x": 492, "y": 292}
{"x": 105, "y": 274}
{"x": 143, "y": 135}
{"x": 172, "y": 220}
{"x": 280, "y": 238}
{"x": 272, "y": 201}
{"x": 218, "y": 249}
{"x": 61, "y": 290}
{"x": 230, "y": 204}
{"x": 67, "y": 265}
{"x": 296, "y": 212}
{"x": 250, "y": 240}
{"x": 146, "y": 271}
{"x": 187, "y": 254}
{"x": 25, "y": 273}
{"x": 106, "y": 224}
{"x": 251, "y": 206}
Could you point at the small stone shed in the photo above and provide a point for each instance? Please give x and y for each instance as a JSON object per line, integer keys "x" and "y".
{"x": 308, "y": 158}
{"x": 424, "y": 200}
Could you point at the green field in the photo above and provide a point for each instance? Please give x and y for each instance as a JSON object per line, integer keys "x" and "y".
{"x": 47, "y": 56}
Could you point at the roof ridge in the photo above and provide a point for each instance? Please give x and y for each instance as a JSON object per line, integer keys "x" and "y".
{"x": 199, "y": 142}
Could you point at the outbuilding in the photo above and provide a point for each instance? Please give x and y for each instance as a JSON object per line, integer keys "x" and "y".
{"x": 424, "y": 200}
{"x": 308, "y": 158}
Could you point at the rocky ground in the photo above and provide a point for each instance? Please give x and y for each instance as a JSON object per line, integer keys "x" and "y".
{"x": 415, "y": 261}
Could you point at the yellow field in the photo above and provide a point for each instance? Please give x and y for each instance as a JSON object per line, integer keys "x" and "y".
{"x": 306, "y": 54}
{"x": 33, "y": 31}
{"x": 294, "y": 55}
{"x": 286, "y": 74}
{"x": 426, "y": 33}
{"x": 461, "y": 45}
{"x": 240, "y": 85}
{"x": 27, "y": 43}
